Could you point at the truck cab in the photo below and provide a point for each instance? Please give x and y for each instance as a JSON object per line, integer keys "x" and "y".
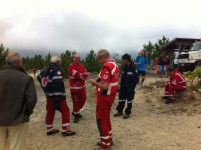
{"x": 188, "y": 60}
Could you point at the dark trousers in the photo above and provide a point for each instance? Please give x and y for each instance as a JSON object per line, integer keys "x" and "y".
{"x": 125, "y": 94}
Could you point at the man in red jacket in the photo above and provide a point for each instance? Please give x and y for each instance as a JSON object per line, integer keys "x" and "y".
{"x": 106, "y": 87}
{"x": 177, "y": 83}
{"x": 77, "y": 74}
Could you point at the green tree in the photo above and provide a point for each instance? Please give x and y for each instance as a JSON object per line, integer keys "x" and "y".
{"x": 38, "y": 61}
{"x": 149, "y": 49}
{"x": 66, "y": 58}
{"x": 47, "y": 59}
{"x": 91, "y": 63}
{"x": 3, "y": 54}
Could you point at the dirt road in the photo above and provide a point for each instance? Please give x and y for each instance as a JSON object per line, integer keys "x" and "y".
{"x": 152, "y": 125}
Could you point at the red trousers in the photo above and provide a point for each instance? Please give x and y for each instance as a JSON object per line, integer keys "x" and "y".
{"x": 79, "y": 99}
{"x": 64, "y": 110}
{"x": 170, "y": 89}
{"x": 103, "y": 108}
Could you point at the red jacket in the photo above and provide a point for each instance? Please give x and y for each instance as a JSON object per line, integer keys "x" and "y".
{"x": 177, "y": 79}
{"x": 77, "y": 74}
{"x": 112, "y": 70}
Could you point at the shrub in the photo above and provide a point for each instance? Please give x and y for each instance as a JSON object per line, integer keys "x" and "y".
{"x": 195, "y": 74}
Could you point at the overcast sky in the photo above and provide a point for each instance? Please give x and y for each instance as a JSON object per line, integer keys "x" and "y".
{"x": 82, "y": 25}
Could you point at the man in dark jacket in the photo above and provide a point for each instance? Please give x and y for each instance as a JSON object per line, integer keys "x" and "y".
{"x": 51, "y": 81}
{"x": 17, "y": 101}
{"x": 129, "y": 79}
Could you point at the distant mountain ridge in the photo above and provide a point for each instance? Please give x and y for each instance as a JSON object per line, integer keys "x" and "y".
{"x": 32, "y": 53}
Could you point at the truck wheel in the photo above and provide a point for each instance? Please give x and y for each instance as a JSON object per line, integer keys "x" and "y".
{"x": 198, "y": 63}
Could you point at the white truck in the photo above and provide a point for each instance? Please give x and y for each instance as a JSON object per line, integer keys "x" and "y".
{"x": 188, "y": 60}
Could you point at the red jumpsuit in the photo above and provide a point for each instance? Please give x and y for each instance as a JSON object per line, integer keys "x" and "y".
{"x": 177, "y": 83}
{"x": 105, "y": 99}
{"x": 77, "y": 75}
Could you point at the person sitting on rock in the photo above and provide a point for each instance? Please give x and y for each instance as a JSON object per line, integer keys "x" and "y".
{"x": 177, "y": 83}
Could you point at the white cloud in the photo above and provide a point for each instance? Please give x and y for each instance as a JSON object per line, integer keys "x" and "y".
{"x": 87, "y": 24}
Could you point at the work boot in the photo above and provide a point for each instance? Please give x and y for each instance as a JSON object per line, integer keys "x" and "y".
{"x": 165, "y": 97}
{"x": 80, "y": 116}
{"x": 118, "y": 114}
{"x": 111, "y": 143}
{"x": 77, "y": 118}
{"x": 68, "y": 133}
{"x": 77, "y": 114}
{"x": 168, "y": 101}
{"x": 126, "y": 116}
{"x": 54, "y": 131}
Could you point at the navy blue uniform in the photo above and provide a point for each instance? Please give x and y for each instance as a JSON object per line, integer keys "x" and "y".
{"x": 129, "y": 79}
{"x": 51, "y": 81}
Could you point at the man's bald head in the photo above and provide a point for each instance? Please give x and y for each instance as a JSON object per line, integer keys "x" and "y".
{"x": 14, "y": 58}
{"x": 76, "y": 58}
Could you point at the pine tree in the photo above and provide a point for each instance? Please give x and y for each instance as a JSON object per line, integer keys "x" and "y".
{"x": 3, "y": 54}
{"x": 91, "y": 63}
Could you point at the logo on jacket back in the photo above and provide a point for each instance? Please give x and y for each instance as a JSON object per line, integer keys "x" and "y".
{"x": 44, "y": 81}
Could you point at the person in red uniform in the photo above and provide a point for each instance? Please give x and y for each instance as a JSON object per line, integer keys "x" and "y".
{"x": 106, "y": 87}
{"x": 51, "y": 81}
{"x": 177, "y": 83}
{"x": 77, "y": 74}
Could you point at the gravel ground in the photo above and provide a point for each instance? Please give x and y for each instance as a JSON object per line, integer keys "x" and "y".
{"x": 152, "y": 125}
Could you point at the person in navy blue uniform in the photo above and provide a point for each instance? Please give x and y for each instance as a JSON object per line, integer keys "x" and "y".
{"x": 129, "y": 79}
{"x": 51, "y": 81}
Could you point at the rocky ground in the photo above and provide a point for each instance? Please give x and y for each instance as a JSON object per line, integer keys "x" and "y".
{"x": 152, "y": 125}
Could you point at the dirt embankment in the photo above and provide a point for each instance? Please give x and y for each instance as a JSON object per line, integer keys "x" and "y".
{"x": 152, "y": 125}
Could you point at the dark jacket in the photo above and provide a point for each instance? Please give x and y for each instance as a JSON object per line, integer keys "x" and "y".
{"x": 51, "y": 81}
{"x": 129, "y": 77}
{"x": 17, "y": 96}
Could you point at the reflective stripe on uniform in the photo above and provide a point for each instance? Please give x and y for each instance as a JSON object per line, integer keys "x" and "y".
{"x": 129, "y": 73}
{"x": 108, "y": 144}
{"x": 74, "y": 72}
{"x": 50, "y": 125}
{"x": 65, "y": 124}
{"x": 122, "y": 100}
{"x": 110, "y": 132}
{"x": 71, "y": 77}
{"x": 182, "y": 78}
{"x": 182, "y": 81}
{"x": 56, "y": 77}
{"x": 114, "y": 69}
{"x": 110, "y": 87}
{"x": 129, "y": 101}
{"x": 55, "y": 93}
{"x": 49, "y": 130}
{"x": 80, "y": 87}
{"x": 105, "y": 137}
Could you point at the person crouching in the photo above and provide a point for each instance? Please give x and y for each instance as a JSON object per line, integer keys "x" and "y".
{"x": 177, "y": 83}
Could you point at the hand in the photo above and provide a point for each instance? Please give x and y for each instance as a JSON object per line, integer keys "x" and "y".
{"x": 93, "y": 82}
